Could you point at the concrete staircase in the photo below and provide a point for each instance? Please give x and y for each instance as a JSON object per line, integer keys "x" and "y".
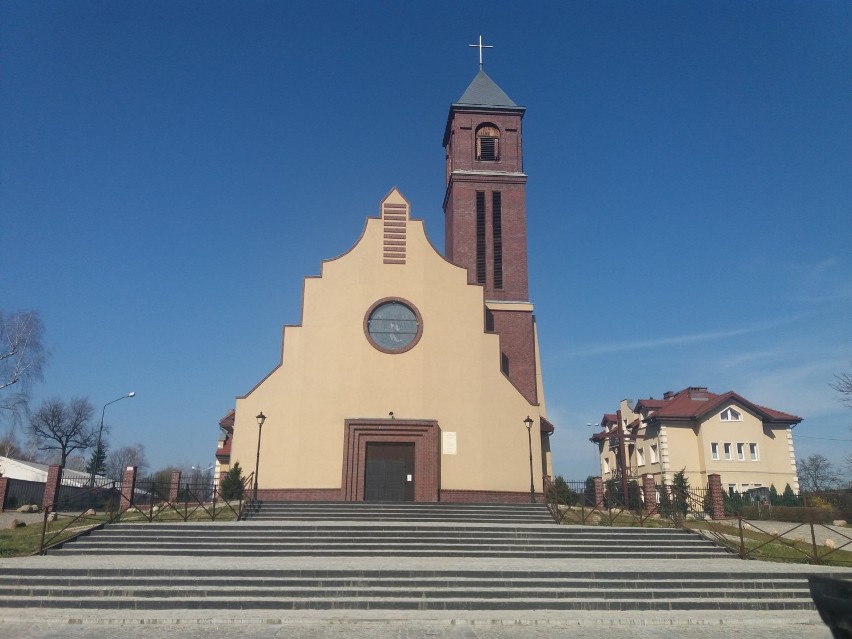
{"x": 396, "y": 557}
{"x": 393, "y": 540}
{"x": 406, "y": 512}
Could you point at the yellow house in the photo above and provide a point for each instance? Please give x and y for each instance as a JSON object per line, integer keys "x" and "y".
{"x": 747, "y": 445}
{"x": 411, "y": 375}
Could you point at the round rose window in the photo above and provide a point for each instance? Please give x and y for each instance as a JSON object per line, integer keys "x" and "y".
{"x": 393, "y": 326}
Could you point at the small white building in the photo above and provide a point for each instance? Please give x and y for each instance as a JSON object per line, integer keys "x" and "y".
{"x": 31, "y": 471}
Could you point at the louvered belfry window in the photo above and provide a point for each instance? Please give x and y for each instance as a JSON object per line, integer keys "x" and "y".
{"x": 497, "y": 235}
{"x": 487, "y": 143}
{"x": 480, "y": 237}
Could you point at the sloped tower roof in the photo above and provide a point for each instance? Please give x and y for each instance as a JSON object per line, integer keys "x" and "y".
{"x": 484, "y": 92}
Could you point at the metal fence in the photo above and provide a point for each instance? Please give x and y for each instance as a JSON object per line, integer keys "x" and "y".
{"x": 79, "y": 496}
{"x": 23, "y": 493}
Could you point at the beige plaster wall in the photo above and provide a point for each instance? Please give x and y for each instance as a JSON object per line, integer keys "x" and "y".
{"x": 331, "y": 372}
{"x": 691, "y": 450}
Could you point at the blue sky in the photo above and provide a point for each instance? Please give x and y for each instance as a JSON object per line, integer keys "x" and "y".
{"x": 169, "y": 172}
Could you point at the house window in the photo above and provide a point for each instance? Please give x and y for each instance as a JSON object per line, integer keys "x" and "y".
{"x": 727, "y": 452}
{"x": 654, "y": 457}
{"x": 741, "y": 452}
{"x": 605, "y": 465}
{"x": 487, "y": 143}
{"x": 714, "y": 450}
{"x": 752, "y": 449}
{"x": 746, "y": 487}
{"x": 640, "y": 456}
{"x": 732, "y": 488}
{"x": 730, "y": 415}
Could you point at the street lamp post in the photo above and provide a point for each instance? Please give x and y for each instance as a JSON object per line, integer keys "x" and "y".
{"x": 528, "y": 422}
{"x": 101, "y": 432}
{"x": 260, "y": 419}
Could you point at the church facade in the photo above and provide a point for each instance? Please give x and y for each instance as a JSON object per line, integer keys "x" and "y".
{"x": 411, "y": 374}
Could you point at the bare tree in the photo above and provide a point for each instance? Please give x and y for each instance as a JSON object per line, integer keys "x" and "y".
{"x": 119, "y": 459}
{"x": 9, "y": 446}
{"x": 22, "y": 360}
{"x": 64, "y": 428}
{"x": 843, "y": 385}
{"x": 817, "y": 473}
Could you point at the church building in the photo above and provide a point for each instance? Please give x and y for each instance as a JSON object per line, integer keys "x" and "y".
{"x": 412, "y": 375}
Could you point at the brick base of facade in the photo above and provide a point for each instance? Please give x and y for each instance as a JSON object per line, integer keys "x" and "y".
{"x": 299, "y": 494}
{"x": 487, "y": 497}
{"x": 449, "y": 496}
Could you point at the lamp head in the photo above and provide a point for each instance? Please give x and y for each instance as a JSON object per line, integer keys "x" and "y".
{"x": 528, "y": 422}
{"x": 131, "y": 394}
{"x": 260, "y": 419}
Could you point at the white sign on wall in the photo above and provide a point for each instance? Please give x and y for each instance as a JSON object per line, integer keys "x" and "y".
{"x": 448, "y": 443}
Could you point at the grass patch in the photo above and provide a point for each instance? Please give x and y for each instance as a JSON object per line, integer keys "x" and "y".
{"x": 24, "y": 541}
{"x": 769, "y": 547}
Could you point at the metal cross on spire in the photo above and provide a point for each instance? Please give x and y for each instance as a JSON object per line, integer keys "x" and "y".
{"x": 481, "y": 46}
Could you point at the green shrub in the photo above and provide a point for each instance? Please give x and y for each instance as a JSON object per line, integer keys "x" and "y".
{"x": 232, "y": 483}
{"x": 564, "y": 493}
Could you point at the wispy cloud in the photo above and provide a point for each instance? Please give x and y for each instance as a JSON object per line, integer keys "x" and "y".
{"x": 635, "y": 345}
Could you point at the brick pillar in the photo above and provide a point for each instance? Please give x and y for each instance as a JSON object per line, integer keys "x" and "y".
{"x": 717, "y": 496}
{"x": 649, "y": 489}
{"x": 128, "y": 485}
{"x": 174, "y": 486}
{"x": 4, "y": 488}
{"x": 546, "y": 483}
{"x": 599, "y": 493}
{"x": 51, "y": 487}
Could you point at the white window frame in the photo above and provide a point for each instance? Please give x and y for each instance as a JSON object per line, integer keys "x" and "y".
{"x": 753, "y": 452}
{"x": 727, "y": 447}
{"x": 655, "y": 456}
{"x": 740, "y": 451}
{"x": 714, "y": 451}
{"x": 640, "y": 456}
{"x": 731, "y": 415}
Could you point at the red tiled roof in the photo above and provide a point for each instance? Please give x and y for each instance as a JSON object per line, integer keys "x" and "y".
{"x": 227, "y": 422}
{"x": 609, "y": 418}
{"x": 650, "y": 404}
{"x": 224, "y": 452}
{"x": 546, "y": 426}
{"x": 696, "y": 402}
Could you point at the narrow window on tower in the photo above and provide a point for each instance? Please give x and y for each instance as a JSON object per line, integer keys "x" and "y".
{"x": 487, "y": 143}
{"x": 497, "y": 229}
{"x": 480, "y": 237}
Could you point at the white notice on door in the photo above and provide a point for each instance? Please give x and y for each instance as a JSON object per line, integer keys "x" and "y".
{"x": 449, "y": 443}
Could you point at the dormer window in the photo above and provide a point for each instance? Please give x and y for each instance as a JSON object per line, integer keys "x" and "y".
{"x": 487, "y": 143}
{"x": 730, "y": 415}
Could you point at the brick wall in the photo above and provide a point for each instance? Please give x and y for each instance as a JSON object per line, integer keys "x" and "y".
{"x": 487, "y": 497}
{"x": 517, "y": 343}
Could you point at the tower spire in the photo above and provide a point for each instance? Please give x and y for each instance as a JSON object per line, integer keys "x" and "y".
{"x": 481, "y": 46}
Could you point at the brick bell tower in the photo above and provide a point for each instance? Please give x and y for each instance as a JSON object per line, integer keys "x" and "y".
{"x": 485, "y": 218}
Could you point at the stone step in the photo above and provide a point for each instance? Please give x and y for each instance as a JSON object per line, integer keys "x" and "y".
{"x": 385, "y": 511}
{"x": 240, "y": 539}
{"x": 414, "y": 603}
{"x": 398, "y": 590}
